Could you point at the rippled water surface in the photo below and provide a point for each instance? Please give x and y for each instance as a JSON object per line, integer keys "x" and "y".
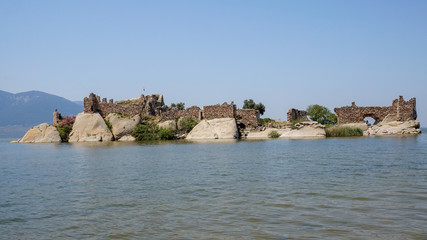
{"x": 352, "y": 188}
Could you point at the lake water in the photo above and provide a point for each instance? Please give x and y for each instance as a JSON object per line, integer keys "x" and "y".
{"x": 350, "y": 188}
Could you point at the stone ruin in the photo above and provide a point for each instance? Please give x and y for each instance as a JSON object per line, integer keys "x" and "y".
{"x": 295, "y": 114}
{"x": 400, "y": 110}
{"x": 153, "y": 105}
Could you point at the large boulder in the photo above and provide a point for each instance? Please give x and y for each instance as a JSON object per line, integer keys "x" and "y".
{"x": 307, "y": 129}
{"x": 90, "y": 127}
{"x": 43, "y": 133}
{"x": 220, "y": 128}
{"x": 122, "y": 125}
{"x": 168, "y": 124}
{"x": 410, "y": 127}
{"x": 127, "y": 138}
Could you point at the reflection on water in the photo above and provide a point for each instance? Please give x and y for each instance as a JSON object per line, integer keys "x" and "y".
{"x": 354, "y": 188}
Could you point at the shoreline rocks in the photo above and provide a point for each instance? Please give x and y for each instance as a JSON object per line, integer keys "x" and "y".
{"x": 90, "y": 127}
{"x": 410, "y": 127}
{"x": 219, "y": 128}
{"x": 306, "y": 129}
{"x": 43, "y": 133}
{"x": 121, "y": 125}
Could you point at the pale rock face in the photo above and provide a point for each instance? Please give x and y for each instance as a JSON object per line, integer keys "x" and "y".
{"x": 410, "y": 127}
{"x": 220, "y": 128}
{"x": 127, "y": 138}
{"x": 122, "y": 126}
{"x": 307, "y": 129}
{"x": 43, "y": 133}
{"x": 90, "y": 127}
{"x": 168, "y": 124}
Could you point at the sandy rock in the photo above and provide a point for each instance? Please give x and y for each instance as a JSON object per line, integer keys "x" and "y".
{"x": 90, "y": 127}
{"x": 410, "y": 127}
{"x": 43, "y": 133}
{"x": 168, "y": 124}
{"x": 121, "y": 125}
{"x": 220, "y": 128}
{"x": 307, "y": 129}
{"x": 127, "y": 138}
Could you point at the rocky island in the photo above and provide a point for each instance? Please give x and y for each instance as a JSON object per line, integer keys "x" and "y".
{"x": 106, "y": 120}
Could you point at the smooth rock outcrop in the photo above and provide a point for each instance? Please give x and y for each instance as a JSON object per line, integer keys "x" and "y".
{"x": 90, "y": 127}
{"x": 43, "y": 133}
{"x": 121, "y": 125}
{"x": 168, "y": 124}
{"x": 220, "y": 128}
{"x": 410, "y": 127}
{"x": 127, "y": 138}
{"x": 307, "y": 129}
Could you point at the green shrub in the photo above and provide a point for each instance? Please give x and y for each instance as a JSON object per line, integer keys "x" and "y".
{"x": 108, "y": 125}
{"x": 187, "y": 124}
{"x": 146, "y": 131}
{"x": 265, "y": 121}
{"x": 343, "y": 132}
{"x": 273, "y": 134}
{"x": 166, "y": 134}
{"x": 64, "y": 131}
{"x": 321, "y": 114}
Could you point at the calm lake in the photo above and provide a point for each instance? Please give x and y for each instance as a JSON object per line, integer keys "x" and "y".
{"x": 349, "y": 188}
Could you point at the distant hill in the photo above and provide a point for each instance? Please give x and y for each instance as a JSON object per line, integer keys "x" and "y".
{"x": 33, "y": 107}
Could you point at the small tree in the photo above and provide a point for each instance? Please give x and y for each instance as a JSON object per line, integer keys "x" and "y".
{"x": 179, "y": 106}
{"x": 321, "y": 114}
{"x": 250, "y": 104}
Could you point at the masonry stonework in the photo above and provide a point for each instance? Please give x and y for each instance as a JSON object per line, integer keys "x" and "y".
{"x": 295, "y": 114}
{"x": 151, "y": 105}
{"x": 219, "y": 111}
{"x": 248, "y": 117}
{"x": 193, "y": 112}
{"x": 400, "y": 110}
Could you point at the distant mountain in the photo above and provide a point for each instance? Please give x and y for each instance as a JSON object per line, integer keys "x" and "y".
{"x": 33, "y": 107}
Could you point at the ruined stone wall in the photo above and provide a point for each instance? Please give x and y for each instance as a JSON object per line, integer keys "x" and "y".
{"x": 219, "y": 111}
{"x": 194, "y": 112}
{"x": 405, "y": 110}
{"x": 400, "y": 110}
{"x": 295, "y": 114}
{"x": 149, "y": 105}
{"x": 249, "y": 117}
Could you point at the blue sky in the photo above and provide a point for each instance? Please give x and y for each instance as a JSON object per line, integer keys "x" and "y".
{"x": 281, "y": 53}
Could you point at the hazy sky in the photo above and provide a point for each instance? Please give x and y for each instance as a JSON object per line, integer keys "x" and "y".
{"x": 281, "y": 53}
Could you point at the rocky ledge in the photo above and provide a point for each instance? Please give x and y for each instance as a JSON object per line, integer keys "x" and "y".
{"x": 307, "y": 129}
{"x": 411, "y": 127}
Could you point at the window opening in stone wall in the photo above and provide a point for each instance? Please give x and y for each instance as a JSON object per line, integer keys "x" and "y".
{"x": 369, "y": 120}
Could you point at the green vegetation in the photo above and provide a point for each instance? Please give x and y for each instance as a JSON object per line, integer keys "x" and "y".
{"x": 250, "y": 104}
{"x": 338, "y": 131}
{"x": 265, "y": 121}
{"x": 65, "y": 126}
{"x": 321, "y": 115}
{"x": 108, "y": 125}
{"x": 273, "y": 134}
{"x": 179, "y": 106}
{"x": 148, "y": 130}
{"x": 186, "y": 124}
{"x": 64, "y": 132}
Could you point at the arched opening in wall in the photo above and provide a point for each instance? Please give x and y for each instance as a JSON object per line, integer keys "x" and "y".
{"x": 370, "y": 121}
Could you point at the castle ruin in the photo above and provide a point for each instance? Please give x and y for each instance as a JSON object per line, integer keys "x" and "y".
{"x": 400, "y": 110}
{"x": 295, "y": 114}
{"x": 153, "y": 105}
